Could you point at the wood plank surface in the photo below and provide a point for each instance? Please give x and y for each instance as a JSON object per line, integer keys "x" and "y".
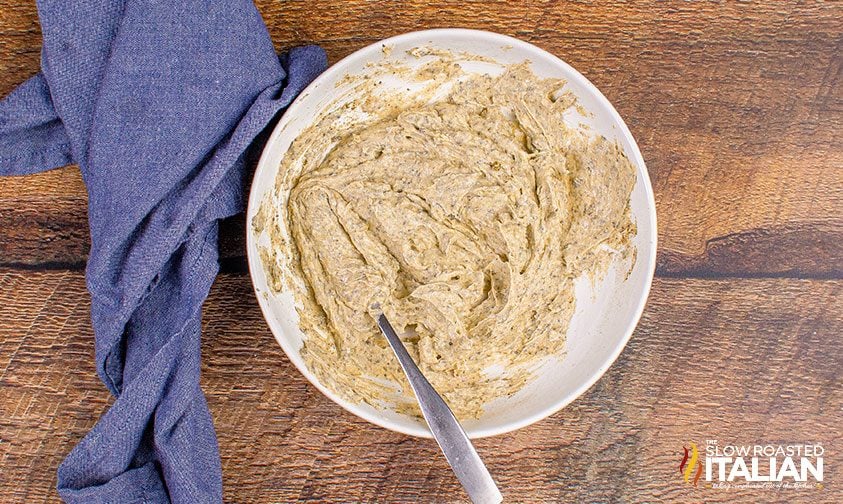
{"x": 738, "y": 110}
{"x": 738, "y": 360}
{"x": 737, "y": 107}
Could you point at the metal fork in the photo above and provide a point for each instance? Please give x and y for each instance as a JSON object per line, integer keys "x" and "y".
{"x": 446, "y": 429}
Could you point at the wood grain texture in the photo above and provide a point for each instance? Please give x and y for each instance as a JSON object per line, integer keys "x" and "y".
{"x": 20, "y": 43}
{"x": 737, "y": 108}
{"x": 739, "y": 360}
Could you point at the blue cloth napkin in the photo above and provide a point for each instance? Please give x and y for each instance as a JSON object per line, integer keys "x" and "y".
{"x": 157, "y": 102}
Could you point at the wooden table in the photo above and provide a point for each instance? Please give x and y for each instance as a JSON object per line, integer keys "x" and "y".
{"x": 737, "y": 109}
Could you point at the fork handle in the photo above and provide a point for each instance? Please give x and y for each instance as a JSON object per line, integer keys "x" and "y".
{"x": 452, "y": 439}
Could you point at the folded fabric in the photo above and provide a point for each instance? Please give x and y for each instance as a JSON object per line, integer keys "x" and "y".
{"x": 158, "y": 103}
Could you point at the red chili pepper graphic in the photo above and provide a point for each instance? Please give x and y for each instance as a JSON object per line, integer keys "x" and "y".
{"x": 684, "y": 460}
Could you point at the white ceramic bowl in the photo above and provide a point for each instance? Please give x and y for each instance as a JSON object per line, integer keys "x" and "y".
{"x": 606, "y": 314}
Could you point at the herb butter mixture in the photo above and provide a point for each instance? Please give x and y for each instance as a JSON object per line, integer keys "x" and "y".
{"x": 466, "y": 211}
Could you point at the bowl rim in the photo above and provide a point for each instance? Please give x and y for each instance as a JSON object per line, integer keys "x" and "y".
{"x": 573, "y": 75}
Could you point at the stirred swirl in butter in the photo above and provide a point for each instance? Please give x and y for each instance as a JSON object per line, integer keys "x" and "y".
{"x": 467, "y": 214}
